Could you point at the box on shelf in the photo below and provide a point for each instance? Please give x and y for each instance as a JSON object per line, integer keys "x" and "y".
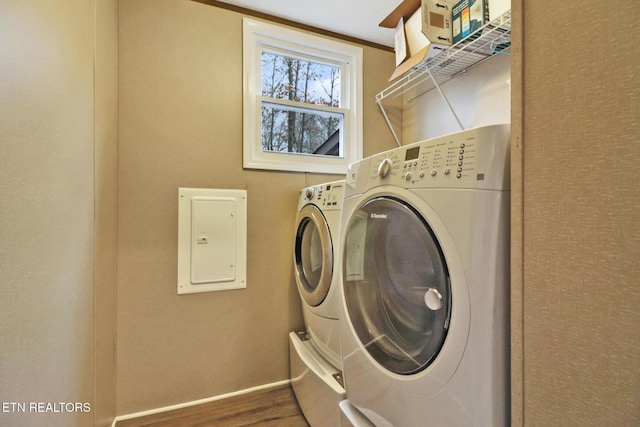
{"x": 412, "y": 45}
{"x": 436, "y": 21}
{"x": 468, "y": 16}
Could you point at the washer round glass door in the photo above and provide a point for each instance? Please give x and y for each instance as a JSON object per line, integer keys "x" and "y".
{"x": 313, "y": 255}
{"x": 396, "y": 285}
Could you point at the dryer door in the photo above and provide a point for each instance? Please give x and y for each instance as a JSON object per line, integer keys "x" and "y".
{"x": 313, "y": 255}
{"x": 396, "y": 285}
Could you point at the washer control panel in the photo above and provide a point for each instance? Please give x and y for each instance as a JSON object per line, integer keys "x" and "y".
{"x": 327, "y": 196}
{"x": 476, "y": 158}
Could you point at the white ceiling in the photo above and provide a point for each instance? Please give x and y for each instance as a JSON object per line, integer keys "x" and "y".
{"x": 355, "y": 18}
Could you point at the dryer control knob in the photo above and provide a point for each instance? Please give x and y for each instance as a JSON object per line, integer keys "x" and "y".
{"x": 309, "y": 192}
{"x": 433, "y": 299}
{"x": 384, "y": 167}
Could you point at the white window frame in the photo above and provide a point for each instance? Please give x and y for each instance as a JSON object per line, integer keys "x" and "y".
{"x": 259, "y": 36}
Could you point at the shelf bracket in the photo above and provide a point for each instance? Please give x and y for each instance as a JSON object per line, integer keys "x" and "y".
{"x": 386, "y": 118}
{"x": 444, "y": 97}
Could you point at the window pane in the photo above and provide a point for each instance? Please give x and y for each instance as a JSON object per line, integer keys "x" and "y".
{"x": 296, "y": 130}
{"x": 285, "y": 77}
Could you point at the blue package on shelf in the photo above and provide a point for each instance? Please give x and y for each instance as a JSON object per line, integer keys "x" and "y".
{"x": 468, "y": 16}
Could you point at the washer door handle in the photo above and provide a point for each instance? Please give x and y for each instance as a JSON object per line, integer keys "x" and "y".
{"x": 433, "y": 299}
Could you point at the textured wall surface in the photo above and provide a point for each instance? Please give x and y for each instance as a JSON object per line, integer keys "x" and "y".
{"x": 581, "y": 213}
{"x": 50, "y": 150}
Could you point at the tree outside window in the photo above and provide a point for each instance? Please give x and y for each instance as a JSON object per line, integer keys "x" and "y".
{"x": 301, "y": 98}
{"x": 287, "y": 128}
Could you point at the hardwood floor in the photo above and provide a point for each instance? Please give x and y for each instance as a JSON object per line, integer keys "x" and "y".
{"x": 274, "y": 407}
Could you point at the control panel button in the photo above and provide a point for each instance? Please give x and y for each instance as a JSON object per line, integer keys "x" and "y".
{"x": 408, "y": 176}
{"x": 434, "y": 172}
{"x": 447, "y": 171}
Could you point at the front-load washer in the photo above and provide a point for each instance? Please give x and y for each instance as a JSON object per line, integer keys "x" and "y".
{"x": 425, "y": 238}
{"x": 317, "y": 233}
{"x": 315, "y": 357}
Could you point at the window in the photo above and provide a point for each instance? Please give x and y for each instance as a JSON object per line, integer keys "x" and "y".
{"x": 302, "y": 100}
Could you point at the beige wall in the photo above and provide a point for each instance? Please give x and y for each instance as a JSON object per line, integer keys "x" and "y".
{"x": 48, "y": 151}
{"x": 180, "y": 125}
{"x": 105, "y": 176}
{"x": 577, "y": 277}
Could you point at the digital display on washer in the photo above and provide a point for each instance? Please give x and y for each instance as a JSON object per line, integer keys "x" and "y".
{"x": 412, "y": 153}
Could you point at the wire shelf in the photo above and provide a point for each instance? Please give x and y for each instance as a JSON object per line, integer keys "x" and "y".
{"x": 490, "y": 39}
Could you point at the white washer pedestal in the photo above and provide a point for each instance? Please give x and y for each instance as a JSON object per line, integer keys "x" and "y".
{"x": 315, "y": 383}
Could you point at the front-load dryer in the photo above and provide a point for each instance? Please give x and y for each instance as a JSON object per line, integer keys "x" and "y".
{"x": 315, "y": 357}
{"x": 425, "y": 282}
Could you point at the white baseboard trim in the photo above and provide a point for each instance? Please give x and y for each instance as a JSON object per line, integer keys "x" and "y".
{"x": 198, "y": 402}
